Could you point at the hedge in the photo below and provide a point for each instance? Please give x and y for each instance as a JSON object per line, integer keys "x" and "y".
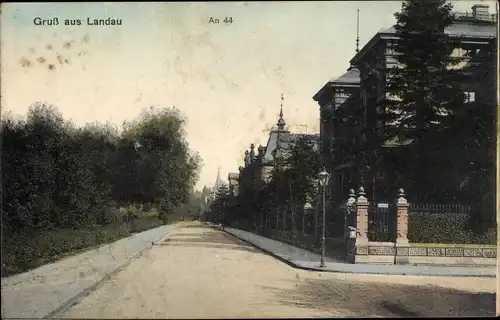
{"x": 446, "y": 228}
{"x": 28, "y": 249}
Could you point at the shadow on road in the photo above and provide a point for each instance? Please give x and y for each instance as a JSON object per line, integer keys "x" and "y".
{"x": 209, "y": 239}
{"x": 215, "y": 246}
{"x": 368, "y": 299}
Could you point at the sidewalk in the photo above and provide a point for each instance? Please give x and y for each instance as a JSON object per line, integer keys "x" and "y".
{"x": 303, "y": 259}
{"x": 43, "y": 291}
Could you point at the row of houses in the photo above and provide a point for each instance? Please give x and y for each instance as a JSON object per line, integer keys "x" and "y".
{"x": 350, "y": 112}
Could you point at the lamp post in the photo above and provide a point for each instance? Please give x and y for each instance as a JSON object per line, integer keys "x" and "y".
{"x": 307, "y": 207}
{"x": 323, "y": 181}
{"x": 223, "y": 211}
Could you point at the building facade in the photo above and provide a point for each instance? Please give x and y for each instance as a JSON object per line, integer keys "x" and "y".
{"x": 339, "y": 131}
{"x": 351, "y": 106}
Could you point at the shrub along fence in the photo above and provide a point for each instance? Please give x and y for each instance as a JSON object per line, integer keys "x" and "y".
{"x": 427, "y": 225}
{"x": 445, "y": 223}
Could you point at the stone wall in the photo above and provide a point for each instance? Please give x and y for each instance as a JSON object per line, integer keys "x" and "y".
{"x": 424, "y": 254}
{"x": 390, "y": 253}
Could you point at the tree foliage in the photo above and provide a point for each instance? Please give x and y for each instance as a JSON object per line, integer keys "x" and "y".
{"x": 424, "y": 90}
{"x": 57, "y": 175}
{"x": 220, "y": 204}
{"x": 452, "y": 139}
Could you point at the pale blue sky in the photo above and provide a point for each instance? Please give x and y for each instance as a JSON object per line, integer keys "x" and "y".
{"x": 227, "y": 79}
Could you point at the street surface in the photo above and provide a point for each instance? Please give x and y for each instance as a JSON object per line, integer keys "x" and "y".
{"x": 200, "y": 272}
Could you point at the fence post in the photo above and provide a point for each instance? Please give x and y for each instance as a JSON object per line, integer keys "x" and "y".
{"x": 351, "y": 201}
{"x": 362, "y": 218}
{"x": 402, "y": 243}
{"x": 357, "y": 244}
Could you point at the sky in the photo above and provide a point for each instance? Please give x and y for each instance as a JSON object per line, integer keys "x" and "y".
{"x": 226, "y": 78}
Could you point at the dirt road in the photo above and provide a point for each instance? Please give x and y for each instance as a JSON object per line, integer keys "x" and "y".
{"x": 204, "y": 273}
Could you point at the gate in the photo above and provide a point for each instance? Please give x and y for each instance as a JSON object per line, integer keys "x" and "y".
{"x": 382, "y": 219}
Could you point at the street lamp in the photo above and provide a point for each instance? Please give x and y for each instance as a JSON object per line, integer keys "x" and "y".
{"x": 223, "y": 211}
{"x": 307, "y": 206}
{"x": 323, "y": 181}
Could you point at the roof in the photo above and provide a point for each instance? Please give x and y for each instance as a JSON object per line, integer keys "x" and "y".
{"x": 280, "y": 141}
{"x": 349, "y": 78}
{"x": 462, "y": 28}
{"x": 218, "y": 181}
{"x": 271, "y": 145}
{"x": 459, "y": 28}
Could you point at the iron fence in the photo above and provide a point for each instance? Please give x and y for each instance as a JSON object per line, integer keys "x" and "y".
{"x": 442, "y": 209}
{"x": 382, "y": 219}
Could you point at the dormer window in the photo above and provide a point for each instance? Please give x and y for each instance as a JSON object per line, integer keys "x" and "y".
{"x": 341, "y": 93}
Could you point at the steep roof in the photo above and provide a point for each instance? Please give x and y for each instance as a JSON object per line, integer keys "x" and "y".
{"x": 281, "y": 141}
{"x": 351, "y": 78}
{"x": 218, "y": 181}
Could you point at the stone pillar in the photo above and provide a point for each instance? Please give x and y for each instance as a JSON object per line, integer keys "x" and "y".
{"x": 357, "y": 246}
{"x": 349, "y": 237}
{"x": 351, "y": 205}
{"x": 362, "y": 218}
{"x": 402, "y": 243}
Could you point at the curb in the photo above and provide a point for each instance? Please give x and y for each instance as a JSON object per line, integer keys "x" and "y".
{"x": 70, "y": 302}
{"x": 274, "y": 255}
{"x": 318, "y": 269}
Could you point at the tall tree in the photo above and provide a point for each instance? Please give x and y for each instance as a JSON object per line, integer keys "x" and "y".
{"x": 302, "y": 165}
{"x": 423, "y": 89}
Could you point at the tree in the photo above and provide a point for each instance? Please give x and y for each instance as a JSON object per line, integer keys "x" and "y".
{"x": 423, "y": 91}
{"x": 292, "y": 183}
{"x": 302, "y": 165}
{"x": 63, "y": 176}
{"x": 219, "y": 205}
{"x": 154, "y": 163}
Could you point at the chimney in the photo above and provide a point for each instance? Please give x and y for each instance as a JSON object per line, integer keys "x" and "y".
{"x": 480, "y": 11}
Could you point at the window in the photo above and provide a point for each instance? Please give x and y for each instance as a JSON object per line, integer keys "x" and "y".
{"x": 390, "y": 48}
{"x": 341, "y": 93}
{"x": 470, "y": 97}
{"x": 459, "y": 52}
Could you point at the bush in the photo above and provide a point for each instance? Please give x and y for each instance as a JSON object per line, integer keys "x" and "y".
{"x": 445, "y": 228}
{"x": 38, "y": 248}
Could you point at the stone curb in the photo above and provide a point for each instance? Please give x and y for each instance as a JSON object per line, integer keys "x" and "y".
{"x": 274, "y": 255}
{"x": 86, "y": 291}
{"x": 389, "y": 272}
